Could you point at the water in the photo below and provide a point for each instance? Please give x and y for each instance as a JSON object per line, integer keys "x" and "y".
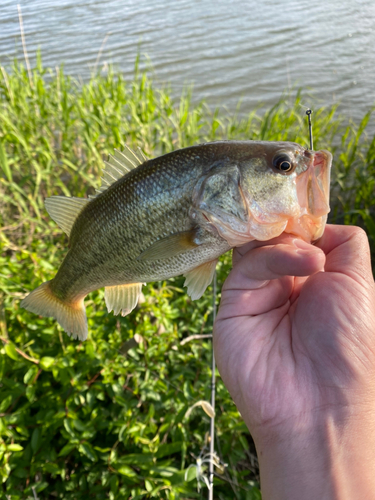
{"x": 227, "y": 50}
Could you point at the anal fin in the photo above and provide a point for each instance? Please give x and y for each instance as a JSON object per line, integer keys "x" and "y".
{"x": 122, "y": 298}
{"x": 199, "y": 278}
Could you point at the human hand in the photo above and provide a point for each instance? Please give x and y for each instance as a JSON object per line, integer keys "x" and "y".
{"x": 297, "y": 353}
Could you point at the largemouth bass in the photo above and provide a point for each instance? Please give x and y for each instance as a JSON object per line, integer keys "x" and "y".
{"x": 176, "y": 214}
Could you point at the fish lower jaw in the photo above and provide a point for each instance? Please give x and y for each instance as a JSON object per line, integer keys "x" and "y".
{"x": 252, "y": 230}
{"x": 307, "y": 227}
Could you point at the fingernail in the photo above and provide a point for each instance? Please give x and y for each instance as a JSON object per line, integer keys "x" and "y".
{"x": 302, "y": 245}
{"x": 262, "y": 284}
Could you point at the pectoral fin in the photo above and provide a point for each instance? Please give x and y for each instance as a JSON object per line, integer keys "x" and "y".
{"x": 122, "y": 298}
{"x": 171, "y": 245}
{"x": 199, "y": 278}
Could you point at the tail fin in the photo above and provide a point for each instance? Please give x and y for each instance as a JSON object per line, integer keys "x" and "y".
{"x": 71, "y": 316}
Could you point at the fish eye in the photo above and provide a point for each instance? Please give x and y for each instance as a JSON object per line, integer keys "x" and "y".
{"x": 282, "y": 162}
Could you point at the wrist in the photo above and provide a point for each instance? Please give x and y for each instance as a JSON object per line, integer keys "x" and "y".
{"x": 333, "y": 459}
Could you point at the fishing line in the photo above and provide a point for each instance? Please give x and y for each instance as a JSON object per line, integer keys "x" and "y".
{"x": 308, "y": 113}
{"x": 213, "y": 390}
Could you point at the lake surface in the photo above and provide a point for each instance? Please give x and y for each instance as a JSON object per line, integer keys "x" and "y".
{"x": 234, "y": 50}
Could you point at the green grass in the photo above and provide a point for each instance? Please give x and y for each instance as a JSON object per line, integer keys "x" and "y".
{"x": 100, "y": 420}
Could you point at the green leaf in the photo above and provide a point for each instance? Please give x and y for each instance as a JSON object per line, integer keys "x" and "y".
{"x": 87, "y": 450}
{"x": 2, "y": 366}
{"x": 126, "y": 471}
{"x": 6, "y": 402}
{"x": 69, "y": 428}
{"x": 30, "y": 392}
{"x": 166, "y": 471}
{"x": 4, "y": 472}
{"x": 191, "y": 473}
{"x": 41, "y": 486}
{"x": 36, "y": 440}
{"x": 102, "y": 450}
{"x": 52, "y": 468}
{"x": 4, "y": 162}
{"x": 169, "y": 449}
{"x": 30, "y": 374}
{"x": 135, "y": 459}
{"x": 148, "y": 485}
{"x": 79, "y": 425}
{"x": 67, "y": 449}
{"x": 10, "y": 349}
{"x": 14, "y": 447}
{"x": 46, "y": 362}
{"x": 20, "y": 472}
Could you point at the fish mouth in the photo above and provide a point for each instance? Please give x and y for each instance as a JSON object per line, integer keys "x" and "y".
{"x": 313, "y": 196}
{"x": 317, "y": 185}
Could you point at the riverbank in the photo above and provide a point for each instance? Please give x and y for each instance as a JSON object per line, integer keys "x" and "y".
{"x": 106, "y": 417}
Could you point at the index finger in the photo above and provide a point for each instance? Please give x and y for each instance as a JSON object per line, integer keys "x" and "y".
{"x": 262, "y": 279}
{"x": 239, "y": 252}
{"x": 273, "y": 261}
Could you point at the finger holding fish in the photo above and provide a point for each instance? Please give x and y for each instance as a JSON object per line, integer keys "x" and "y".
{"x": 284, "y": 238}
{"x": 269, "y": 262}
{"x": 269, "y": 275}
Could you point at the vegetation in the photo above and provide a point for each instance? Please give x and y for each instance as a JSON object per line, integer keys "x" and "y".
{"x": 107, "y": 418}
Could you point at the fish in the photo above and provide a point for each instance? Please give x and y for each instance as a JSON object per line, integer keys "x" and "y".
{"x": 153, "y": 219}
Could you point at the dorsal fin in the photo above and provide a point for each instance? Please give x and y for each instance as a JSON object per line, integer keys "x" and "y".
{"x": 119, "y": 164}
{"x": 64, "y": 210}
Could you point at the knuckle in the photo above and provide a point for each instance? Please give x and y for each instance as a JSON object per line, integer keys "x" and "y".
{"x": 360, "y": 236}
{"x": 359, "y": 232}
